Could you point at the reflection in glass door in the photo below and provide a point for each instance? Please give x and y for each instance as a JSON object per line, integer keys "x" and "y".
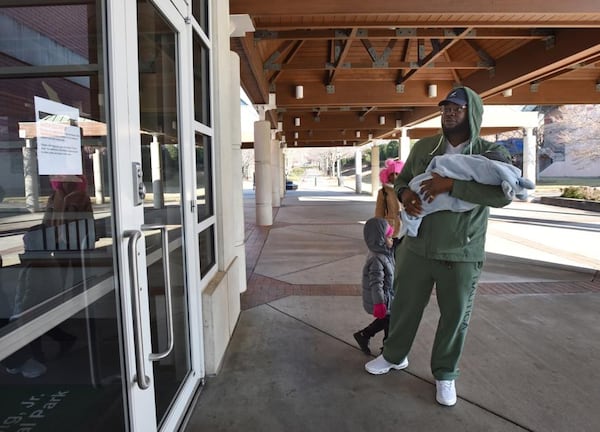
{"x": 60, "y": 336}
{"x": 161, "y": 155}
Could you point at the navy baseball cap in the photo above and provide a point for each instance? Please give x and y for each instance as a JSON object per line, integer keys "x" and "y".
{"x": 457, "y": 96}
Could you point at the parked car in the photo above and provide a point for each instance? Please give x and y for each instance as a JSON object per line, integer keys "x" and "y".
{"x": 290, "y": 185}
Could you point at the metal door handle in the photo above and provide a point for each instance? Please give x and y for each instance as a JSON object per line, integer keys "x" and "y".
{"x": 168, "y": 297}
{"x": 143, "y": 381}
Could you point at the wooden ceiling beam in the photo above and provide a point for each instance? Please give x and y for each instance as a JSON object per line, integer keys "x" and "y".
{"x": 439, "y": 49}
{"x": 529, "y": 62}
{"x": 413, "y": 7}
{"x": 251, "y": 70}
{"x": 401, "y": 33}
{"x": 281, "y": 49}
{"x": 356, "y": 93}
{"x": 332, "y": 125}
{"x": 320, "y": 65}
{"x": 342, "y": 57}
{"x": 592, "y": 61}
{"x": 520, "y": 21}
{"x": 288, "y": 58}
{"x": 455, "y": 75}
{"x": 328, "y": 134}
{"x": 339, "y": 120}
{"x": 391, "y": 135}
{"x": 486, "y": 59}
{"x": 553, "y": 92}
{"x": 383, "y": 95}
{"x": 511, "y": 51}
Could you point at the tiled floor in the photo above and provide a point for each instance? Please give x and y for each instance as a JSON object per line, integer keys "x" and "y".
{"x": 292, "y": 363}
{"x": 263, "y": 289}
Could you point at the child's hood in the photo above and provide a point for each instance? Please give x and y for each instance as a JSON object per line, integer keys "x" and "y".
{"x": 374, "y": 235}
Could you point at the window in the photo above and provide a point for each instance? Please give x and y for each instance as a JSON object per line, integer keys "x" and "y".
{"x": 204, "y": 142}
{"x": 206, "y": 246}
{"x": 204, "y": 193}
{"x": 200, "y": 12}
{"x": 201, "y": 82}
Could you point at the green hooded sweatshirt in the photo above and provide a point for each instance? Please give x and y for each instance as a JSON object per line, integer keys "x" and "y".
{"x": 446, "y": 235}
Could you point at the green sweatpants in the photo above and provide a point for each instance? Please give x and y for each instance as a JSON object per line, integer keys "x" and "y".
{"x": 455, "y": 284}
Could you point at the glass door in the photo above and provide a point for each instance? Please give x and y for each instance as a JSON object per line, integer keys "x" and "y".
{"x": 61, "y": 338}
{"x": 163, "y": 148}
{"x": 95, "y": 305}
{"x": 152, "y": 113}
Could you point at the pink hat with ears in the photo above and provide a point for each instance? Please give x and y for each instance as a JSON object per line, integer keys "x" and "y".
{"x": 56, "y": 181}
{"x": 384, "y": 175}
{"x": 389, "y": 231}
{"x": 392, "y": 166}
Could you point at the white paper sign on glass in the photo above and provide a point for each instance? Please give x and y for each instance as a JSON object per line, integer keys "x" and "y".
{"x": 58, "y": 138}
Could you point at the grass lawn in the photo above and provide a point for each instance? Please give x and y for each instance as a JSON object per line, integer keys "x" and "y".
{"x": 573, "y": 187}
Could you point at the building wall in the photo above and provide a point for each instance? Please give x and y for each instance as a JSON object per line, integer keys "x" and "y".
{"x": 221, "y": 298}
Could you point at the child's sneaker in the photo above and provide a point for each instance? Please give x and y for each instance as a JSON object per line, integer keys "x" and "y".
{"x": 363, "y": 341}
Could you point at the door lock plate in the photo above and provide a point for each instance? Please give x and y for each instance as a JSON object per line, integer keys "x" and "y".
{"x": 139, "y": 189}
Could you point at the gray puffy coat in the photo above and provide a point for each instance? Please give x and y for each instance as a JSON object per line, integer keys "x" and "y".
{"x": 378, "y": 271}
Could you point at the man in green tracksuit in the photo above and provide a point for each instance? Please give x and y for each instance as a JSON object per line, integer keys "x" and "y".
{"x": 448, "y": 251}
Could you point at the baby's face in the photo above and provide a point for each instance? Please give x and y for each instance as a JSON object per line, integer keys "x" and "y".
{"x": 392, "y": 177}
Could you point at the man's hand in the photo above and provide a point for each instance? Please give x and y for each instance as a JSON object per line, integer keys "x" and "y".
{"x": 411, "y": 202}
{"x": 434, "y": 186}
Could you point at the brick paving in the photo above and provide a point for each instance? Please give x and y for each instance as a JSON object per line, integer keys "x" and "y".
{"x": 262, "y": 289}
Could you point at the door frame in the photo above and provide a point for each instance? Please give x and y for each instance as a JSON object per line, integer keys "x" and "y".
{"x": 122, "y": 67}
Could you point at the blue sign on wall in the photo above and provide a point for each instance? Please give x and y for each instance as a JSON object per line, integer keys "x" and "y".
{"x": 513, "y": 145}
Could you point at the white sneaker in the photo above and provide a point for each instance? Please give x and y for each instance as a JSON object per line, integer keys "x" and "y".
{"x": 380, "y": 365}
{"x": 445, "y": 392}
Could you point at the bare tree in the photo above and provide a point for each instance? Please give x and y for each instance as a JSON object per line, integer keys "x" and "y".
{"x": 247, "y": 162}
{"x": 577, "y": 127}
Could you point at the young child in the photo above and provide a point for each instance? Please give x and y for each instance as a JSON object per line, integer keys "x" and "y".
{"x": 377, "y": 279}
{"x": 387, "y": 205}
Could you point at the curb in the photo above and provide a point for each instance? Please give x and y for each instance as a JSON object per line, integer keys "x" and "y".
{"x": 530, "y": 261}
{"x": 571, "y": 203}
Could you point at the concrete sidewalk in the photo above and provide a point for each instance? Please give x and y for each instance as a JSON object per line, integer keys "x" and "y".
{"x": 530, "y": 362}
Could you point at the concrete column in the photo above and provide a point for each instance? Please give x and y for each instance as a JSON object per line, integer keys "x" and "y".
{"x": 358, "y": 170}
{"x": 262, "y": 171}
{"x": 227, "y": 133}
{"x": 31, "y": 177}
{"x": 239, "y": 246}
{"x": 529, "y": 155}
{"x": 98, "y": 184}
{"x": 275, "y": 173}
{"x": 155, "y": 163}
{"x": 404, "y": 148}
{"x": 375, "y": 183}
{"x": 281, "y": 172}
